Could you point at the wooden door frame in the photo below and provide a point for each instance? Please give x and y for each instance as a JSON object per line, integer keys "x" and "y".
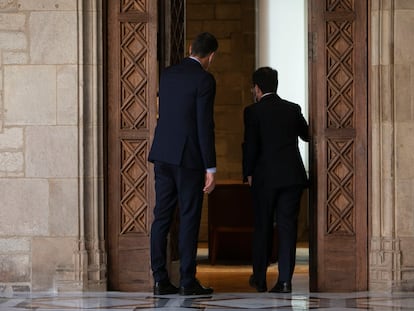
{"x": 312, "y": 237}
{"x": 361, "y": 281}
{"x": 130, "y": 123}
{"x": 132, "y": 59}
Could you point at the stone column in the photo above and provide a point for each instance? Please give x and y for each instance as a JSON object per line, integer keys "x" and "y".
{"x": 384, "y": 254}
{"x": 89, "y": 268}
{"x": 392, "y": 64}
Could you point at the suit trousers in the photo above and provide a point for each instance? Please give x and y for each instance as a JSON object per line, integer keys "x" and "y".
{"x": 280, "y": 205}
{"x": 176, "y": 185}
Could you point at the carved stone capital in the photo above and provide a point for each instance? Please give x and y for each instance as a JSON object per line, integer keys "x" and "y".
{"x": 385, "y": 263}
{"x": 8, "y": 4}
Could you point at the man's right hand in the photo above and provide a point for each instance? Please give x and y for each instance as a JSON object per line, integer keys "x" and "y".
{"x": 210, "y": 183}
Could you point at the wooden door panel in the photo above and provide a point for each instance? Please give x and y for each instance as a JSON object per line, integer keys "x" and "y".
{"x": 131, "y": 80}
{"x": 338, "y": 74}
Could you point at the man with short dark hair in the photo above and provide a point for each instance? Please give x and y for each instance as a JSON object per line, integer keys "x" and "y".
{"x": 273, "y": 167}
{"x": 184, "y": 157}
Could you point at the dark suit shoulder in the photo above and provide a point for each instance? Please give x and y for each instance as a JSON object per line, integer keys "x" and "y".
{"x": 186, "y": 64}
{"x": 249, "y": 107}
{"x": 283, "y": 101}
{"x": 184, "y": 78}
{"x": 275, "y": 102}
{"x": 248, "y": 111}
{"x": 290, "y": 104}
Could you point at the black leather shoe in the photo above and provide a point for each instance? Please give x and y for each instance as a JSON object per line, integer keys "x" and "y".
{"x": 260, "y": 288}
{"x": 164, "y": 288}
{"x": 195, "y": 289}
{"x": 282, "y": 287}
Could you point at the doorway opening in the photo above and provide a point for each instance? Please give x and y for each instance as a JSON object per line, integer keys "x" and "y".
{"x": 286, "y": 52}
{"x": 338, "y": 75}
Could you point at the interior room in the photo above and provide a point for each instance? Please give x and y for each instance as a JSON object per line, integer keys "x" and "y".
{"x": 225, "y": 237}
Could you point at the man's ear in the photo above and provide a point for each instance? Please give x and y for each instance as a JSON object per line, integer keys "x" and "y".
{"x": 190, "y": 49}
{"x": 258, "y": 92}
{"x": 211, "y": 56}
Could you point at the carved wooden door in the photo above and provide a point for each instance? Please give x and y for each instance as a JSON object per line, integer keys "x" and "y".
{"x": 338, "y": 105}
{"x": 132, "y": 76}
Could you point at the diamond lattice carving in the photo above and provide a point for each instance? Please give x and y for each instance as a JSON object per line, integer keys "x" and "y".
{"x": 134, "y": 67}
{"x": 340, "y": 186}
{"x": 134, "y": 178}
{"x": 134, "y": 5}
{"x": 340, "y": 82}
{"x": 340, "y": 5}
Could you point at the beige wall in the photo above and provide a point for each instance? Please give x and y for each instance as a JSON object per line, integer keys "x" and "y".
{"x": 43, "y": 73}
{"x": 38, "y": 140}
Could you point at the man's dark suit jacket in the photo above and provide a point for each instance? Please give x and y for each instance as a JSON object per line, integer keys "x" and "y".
{"x": 270, "y": 149}
{"x": 184, "y": 135}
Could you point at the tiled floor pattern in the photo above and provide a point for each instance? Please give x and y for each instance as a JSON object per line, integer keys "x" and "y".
{"x": 221, "y": 301}
{"x": 232, "y": 292}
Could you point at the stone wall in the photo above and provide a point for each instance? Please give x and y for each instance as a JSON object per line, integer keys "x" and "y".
{"x": 42, "y": 127}
{"x": 392, "y": 105}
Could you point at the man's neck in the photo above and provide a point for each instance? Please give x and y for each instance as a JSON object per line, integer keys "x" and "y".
{"x": 266, "y": 94}
{"x": 204, "y": 62}
{"x": 195, "y": 58}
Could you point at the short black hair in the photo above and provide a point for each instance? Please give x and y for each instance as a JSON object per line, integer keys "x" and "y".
{"x": 204, "y": 44}
{"x": 266, "y": 79}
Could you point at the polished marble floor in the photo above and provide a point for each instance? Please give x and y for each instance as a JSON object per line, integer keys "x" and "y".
{"x": 298, "y": 300}
{"x": 232, "y": 292}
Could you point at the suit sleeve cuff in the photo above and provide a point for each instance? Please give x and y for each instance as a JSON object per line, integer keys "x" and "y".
{"x": 211, "y": 170}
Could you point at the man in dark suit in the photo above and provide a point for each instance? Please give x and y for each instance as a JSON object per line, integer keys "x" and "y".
{"x": 273, "y": 167}
{"x": 184, "y": 157}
